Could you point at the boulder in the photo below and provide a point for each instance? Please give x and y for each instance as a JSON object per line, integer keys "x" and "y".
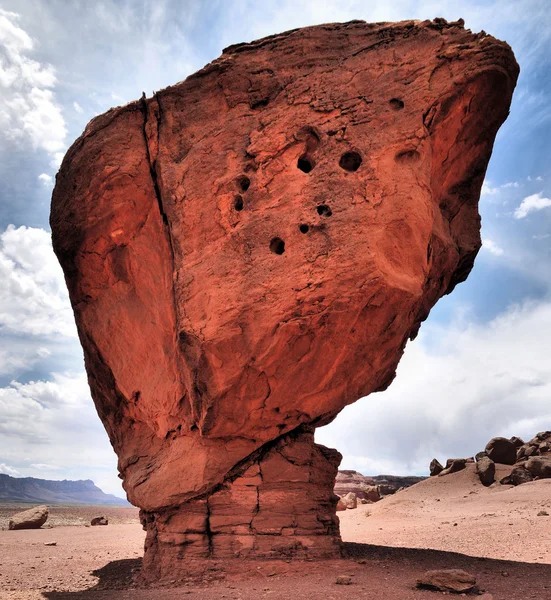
{"x": 447, "y": 580}
{"x": 435, "y": 467}
{"x": 341, "y": 505}
{"x": 453, "y": 465}
{"x": 502, "y": 451}
{"x": 33, "y": 518}
{"x": 99, "y": 521}
{"x": 480, "y": 455}
{"x": 350, "y": 500}
{"x": 516, "y": 441}
{"x": 539, "y": 467}
{"x": 372, "y": 493}
{"x": 248, "y": 251}
{"x": 518, "y": 476}
{"x": 486, "y": 470}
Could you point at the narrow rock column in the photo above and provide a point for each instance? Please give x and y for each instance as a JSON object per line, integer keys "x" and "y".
{"x": 280, "y": 504}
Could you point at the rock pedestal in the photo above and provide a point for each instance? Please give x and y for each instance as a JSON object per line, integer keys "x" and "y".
{"x": 248, "y": 251}
{"x": 280, "y": 504}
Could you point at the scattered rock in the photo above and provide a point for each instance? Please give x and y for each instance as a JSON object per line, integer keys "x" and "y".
{"x": 502, "y": 451}
{"x": 350, "y": 500}
{"x": 343, "y": 580}
{"x": 435, "y": 467}
{"x": 50, "y": 543}
{"x": 453, "y": 465}
{"x": 486, "y": 470}
{"x": 539, "y": 467}
{"x": 447, "y": 580}
{"x": 99, "y": 521}
{"x": 543, "y": 513}
{"x": 33, "y": 518}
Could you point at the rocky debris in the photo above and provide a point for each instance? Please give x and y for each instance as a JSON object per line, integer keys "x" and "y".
{"x": 502, "y": 451}
{"x": 211, "y": 232}
{"x": 448, "y": 580}
{"x": 343, "y": 580}
{"x": 435, "y": 467}
{"x": 33, "y": 518}
{"x": 486, "y": 470}
{"x": 540, "y": 445}
{"x": 518, "y": 476}
{"x": 99, "y": 521}
{"x": 539, "y": 466}
{"x": 453, "y": 465}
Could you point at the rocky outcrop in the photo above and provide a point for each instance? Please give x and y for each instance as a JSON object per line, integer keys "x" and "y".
{"x": 33, "y": 518}
{"x": 502, "y": 451}
{"x": 372, "y": 488}
{"x": 248, "y": 251}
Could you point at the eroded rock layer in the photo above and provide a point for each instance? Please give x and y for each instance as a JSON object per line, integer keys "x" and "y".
{"x": 248, "y": 251}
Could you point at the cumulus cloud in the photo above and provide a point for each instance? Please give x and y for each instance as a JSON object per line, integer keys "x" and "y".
{"x": 7, "y": 470}
{"x": 492, "y": 247}
{"x": 33, "y": 295}
{"x": 46, "y": 179}
{"x": 78, "y": 108}
{"x": 457, "y": 387}
{"x": 532, "y": 203}
{"x": 29, "y": 113}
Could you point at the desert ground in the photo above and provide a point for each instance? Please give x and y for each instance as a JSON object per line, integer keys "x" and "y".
{"x": 444, "y": 522}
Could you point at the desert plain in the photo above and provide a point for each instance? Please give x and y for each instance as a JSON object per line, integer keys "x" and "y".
{"x": 493, "y": 532}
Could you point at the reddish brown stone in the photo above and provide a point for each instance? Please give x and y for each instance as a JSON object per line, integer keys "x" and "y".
{"x": 248, "y": 251}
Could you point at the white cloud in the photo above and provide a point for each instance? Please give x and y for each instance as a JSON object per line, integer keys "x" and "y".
{"x": 538, "y": 178}
{"x": 29, "y": 112}
{"x": 33, "y": 294}
{"x": 7, "y": 470}
{"x": 530, "y": 204}
{"x": 511, "y": 184}
{"x": 475, "y": 382}
{"x": 492, "y": 247}
{"x": 46, "y": 179}
{"x": 78, "y": 108}
{"x": 44, "y": 467}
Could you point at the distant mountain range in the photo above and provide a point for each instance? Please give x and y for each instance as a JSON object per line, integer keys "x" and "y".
{"x": 30, "y": 489}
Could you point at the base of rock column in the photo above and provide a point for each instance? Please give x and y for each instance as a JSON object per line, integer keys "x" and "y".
{"x": 280, "y": 505}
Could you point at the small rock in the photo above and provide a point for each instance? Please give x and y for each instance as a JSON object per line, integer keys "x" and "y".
{"x": 543, "y": 513}
{"x": 343, "y": 580}
{"x": 99, "y": 521}
{"x": 50, "y": 543}
{"x": 447, "y": 580}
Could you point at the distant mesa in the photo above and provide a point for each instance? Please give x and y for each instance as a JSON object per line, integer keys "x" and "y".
{"x": 248, "y": 251}
{"x": 31, "y": 489}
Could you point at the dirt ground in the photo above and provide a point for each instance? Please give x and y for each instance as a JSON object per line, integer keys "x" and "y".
{"x": 498, "y": 538}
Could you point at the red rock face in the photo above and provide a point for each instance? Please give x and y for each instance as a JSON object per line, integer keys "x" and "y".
{"x": 248, "y": 251}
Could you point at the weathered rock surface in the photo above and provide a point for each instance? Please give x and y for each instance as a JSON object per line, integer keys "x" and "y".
{"x": 33, "y": 518}
{"x": 447, "y": 580}
{"x": 486, "y": 470}
{"x": 539, "y": 466}
{"x": 248, "y": 252}
{"x": 502, "y": 451}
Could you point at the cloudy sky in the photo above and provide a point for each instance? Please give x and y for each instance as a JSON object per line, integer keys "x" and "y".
{"x": 480, "y": 366}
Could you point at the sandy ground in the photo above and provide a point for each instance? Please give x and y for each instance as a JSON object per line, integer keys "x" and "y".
{"x": 101, "y": 563}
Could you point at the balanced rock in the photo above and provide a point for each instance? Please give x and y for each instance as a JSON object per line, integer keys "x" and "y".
{"x": 447, "y": 580}
{"x": 486, "y": 471}
{"x": 248, "y": 251}
{"x": 502, "y": 451}
{"x": 33, "y": 518}
{"x": 435, "y": 468}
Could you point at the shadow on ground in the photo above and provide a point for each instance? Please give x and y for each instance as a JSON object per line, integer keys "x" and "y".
{"x": 388, "y": 572}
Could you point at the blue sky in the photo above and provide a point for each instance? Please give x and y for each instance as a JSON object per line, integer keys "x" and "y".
{"x": 481, "y": 364}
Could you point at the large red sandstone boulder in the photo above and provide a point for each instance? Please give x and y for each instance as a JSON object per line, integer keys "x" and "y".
{"x": 33, "y": 518}
{"x": 248, "y": 251}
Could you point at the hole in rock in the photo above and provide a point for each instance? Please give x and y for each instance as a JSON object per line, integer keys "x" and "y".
{"x": 408, "y": 156}
{"x": 303, "y": 228}
{"x": 277, "y": 246}
{"x": 243, "y": 182}
{"x": 324, "y": 210}
{"x": 305, "y": 164}
{"x": 350, "y": 161}
{"x": 238, "y": 203}
{"x": 194, "y": 428}
{"x": 396, "y": 104}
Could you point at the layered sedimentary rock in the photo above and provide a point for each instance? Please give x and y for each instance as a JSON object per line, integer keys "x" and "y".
{"x": 248, "y": 251}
